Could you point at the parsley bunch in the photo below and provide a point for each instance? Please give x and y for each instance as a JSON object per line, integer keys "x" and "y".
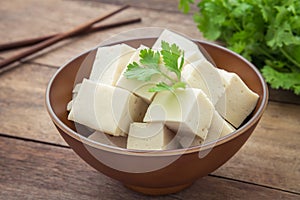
{"x": 150, "y": 64}
{"x": 266, "y": 32}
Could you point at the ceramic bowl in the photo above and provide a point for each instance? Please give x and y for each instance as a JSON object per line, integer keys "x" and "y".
{"x": 153, "y": 172}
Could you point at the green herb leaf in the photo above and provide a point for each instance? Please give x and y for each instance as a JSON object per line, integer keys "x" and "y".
{"x": 170, "y": 55}
{"x": 135, "y": 71}
{"x": 184, "y": 5}
{"x": 288, "y": 81}
{"x": 179, "y": 85}
{"x": 149, "y": 58}
{"x": 149, "y": 65}
{"x": 160, "y": 87}
{"x": 163, "y": 86}
{"x": 265, "y": 32}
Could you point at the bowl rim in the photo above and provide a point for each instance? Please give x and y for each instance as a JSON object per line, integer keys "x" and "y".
{"x": 194, "y": 149}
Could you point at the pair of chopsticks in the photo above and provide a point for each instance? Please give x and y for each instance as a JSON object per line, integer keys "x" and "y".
{"x": 46, "y": 41}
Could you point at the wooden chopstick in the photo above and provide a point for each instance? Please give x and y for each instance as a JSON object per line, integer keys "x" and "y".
{"x": 46, "y": 43}
{"x": 32, "y": 41}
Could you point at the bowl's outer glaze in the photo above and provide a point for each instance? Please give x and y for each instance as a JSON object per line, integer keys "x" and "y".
{"x": 184, "y": 170}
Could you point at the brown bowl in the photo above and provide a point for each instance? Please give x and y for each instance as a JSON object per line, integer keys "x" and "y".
{"x": 153, "y": 172}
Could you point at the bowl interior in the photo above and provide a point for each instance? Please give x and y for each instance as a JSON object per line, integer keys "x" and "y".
{"x": 59, "y": 91}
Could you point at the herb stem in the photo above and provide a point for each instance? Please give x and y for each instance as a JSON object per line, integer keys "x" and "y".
{"x": 168, "y": 77}
{"x": 266, "y": 53}
{"x": 289, "y": 57}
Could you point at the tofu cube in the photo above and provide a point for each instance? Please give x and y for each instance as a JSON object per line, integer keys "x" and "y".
{"x": 106, "y": 108}
{"x": 203, "y": 75}
{"x": 76, "y": 88}
{"x": 238, "y": 101}
{"x": 110, "y": 62}
{"x": 74, "y": 94}
{"x": 189, "y": 141}
{"x": 218, "y": 128}
{"x": 186, "y": 112}
{"x": 150, "y": 136}
{"x": 185, "y": 44}
{"x": 139, "y": 88}
{"x": 104, "y": 138}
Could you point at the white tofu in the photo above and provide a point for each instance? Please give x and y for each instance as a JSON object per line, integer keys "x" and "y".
{"x": 106, "y": 108}
{"x": 188, "y": 141}
{"x": 150, "y": 136}
{"x": 104, "y": 138}
{"x": 139, "y": 88}
{"x": 238, "y": 101}
{"x": 110, "y": 62}
{"x": 190, "y": 48}
{"x": 203, "y": 75}
{"x": 218, "y": 128}
{"x": 74, "y": 94}
{"x": 69, "y": 105}
{"x": 191, "y": 57}
{"x": 76, "y": 88}
{"x": 135, "y": 57}
{"x": 187, "y": 111}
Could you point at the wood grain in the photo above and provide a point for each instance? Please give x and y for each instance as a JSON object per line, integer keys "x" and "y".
{"x": 55, "y": 39}
{"x": 270, "y": 157}
{"x": 60, "y": 19}
{"x": 38, "y": 171}
{"x": 284, "y": 96}
{"x": 22, "y": 109}
{"x": 33, "y": 41}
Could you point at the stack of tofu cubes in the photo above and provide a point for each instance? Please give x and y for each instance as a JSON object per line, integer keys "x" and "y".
{"x": 214, "y": 104}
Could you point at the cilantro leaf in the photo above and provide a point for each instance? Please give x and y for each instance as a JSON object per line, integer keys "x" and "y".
{"x": 160, "y": 87}
{"x": 150, "y": 64}
{"x": 179, "y": 85}
{"x": 163, "y": 86}
{"x": 184, "y": 5}
{"x": 266, "y": 33}
{"x": 288, "y": 81}
{"x": 170, "y": 55}
{"x": 149, "y": 58}
{"x": 135, "y": 71}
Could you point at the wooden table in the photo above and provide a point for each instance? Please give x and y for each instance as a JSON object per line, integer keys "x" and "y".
{"x": 35, "y": 163}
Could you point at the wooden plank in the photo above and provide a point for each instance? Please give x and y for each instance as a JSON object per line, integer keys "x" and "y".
{"x": 44, "y": 17}
{"x": 284, "y": 96}
{"x": 270, "y": 157}
{"x": 38, "y": 171}
{"x": 22, "y": 109}
{"x": 59, "y": 19}
{"x": 16, "y": 16}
